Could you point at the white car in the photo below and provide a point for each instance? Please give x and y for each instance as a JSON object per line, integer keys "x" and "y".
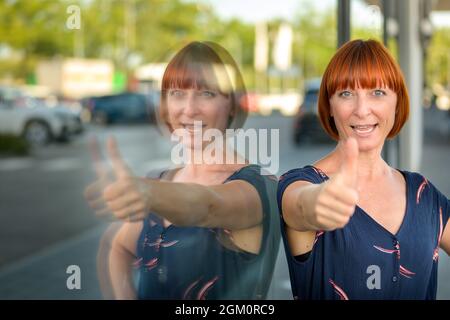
{"x": 38, "y": 125}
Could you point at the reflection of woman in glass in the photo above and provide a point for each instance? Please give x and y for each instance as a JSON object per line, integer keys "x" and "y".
{"x": 213, "y": 230}
{"x": 354, "y": 227}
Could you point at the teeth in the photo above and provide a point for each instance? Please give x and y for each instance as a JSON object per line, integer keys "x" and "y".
{"x": 193, "y": 128}
{"x": 364, "y": 128}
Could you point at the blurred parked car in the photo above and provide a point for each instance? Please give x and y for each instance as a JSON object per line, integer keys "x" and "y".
{"x": 307, "y": 127}
{"x": 123, "y": 107}
{"x": 21, "y": 115}
{"x": 71, "y": 115}
{"x": 251, "y": 102}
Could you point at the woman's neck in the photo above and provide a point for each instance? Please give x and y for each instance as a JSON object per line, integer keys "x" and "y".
{"x": 370, "y": 164}
{"x": 219, "y": 160}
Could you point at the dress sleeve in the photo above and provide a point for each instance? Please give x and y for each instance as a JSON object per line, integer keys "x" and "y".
{"x": 442, "y": 205}
{"x": 155, "y": 173}
{"x": 308, "y": 173}
{"x": 263, "y": 263}
{"x": 428, "y": 196}
{"x": 265, "y": 185}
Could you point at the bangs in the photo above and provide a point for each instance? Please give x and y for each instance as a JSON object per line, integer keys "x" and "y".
{"x": 204, "y": 72}
{"x": 363, "y": 66}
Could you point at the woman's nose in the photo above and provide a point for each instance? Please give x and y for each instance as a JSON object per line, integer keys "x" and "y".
{"x": 190, "y": 107}
{"x": 362, "y": 107}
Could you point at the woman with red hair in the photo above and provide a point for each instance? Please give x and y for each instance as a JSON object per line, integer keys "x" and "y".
{"x": 354, "y": 227}
{"x": 203, "y": 230}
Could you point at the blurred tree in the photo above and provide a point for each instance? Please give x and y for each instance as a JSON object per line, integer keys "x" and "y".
{"x": 33, "y": 29}
{"x": 438, "y": 58}
{"x": 146, "y": 30}
{"x": 315, "y": 35}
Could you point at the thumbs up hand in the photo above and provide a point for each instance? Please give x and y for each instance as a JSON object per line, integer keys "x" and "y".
{"x": 337, "y": 198}
{"x": 123, "y": 195}
{"x": 119, "y": 166}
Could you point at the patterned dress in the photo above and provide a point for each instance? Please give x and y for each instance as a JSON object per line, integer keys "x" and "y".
{"x": 363, "y": 260}
{"x": 201, "y": 263}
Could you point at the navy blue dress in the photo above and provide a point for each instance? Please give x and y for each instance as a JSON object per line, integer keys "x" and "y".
{"x": 365, "y": 261}
{"x": 202, "y": 263}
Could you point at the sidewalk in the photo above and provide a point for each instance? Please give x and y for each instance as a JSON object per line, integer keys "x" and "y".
{"x": 43, "y": 275}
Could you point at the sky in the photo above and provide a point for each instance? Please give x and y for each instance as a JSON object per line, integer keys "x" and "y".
{"x": 258, "y": 10}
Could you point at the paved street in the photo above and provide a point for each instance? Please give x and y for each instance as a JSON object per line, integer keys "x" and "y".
{"x": 45, "y": 224}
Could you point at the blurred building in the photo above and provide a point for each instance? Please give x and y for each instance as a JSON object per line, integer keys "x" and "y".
{"x": 76, "y": 78}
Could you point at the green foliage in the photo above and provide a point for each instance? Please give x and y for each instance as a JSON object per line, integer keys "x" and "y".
{"x": 12, "y": 145}
{"x": 316, "y": 40}
{"x": 438, "y": 58}
{"x": 113, "y": 29}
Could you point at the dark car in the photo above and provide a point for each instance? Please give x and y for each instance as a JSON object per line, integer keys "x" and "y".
{"x": 307, "y": 127}
{"x": 123, "y": 107}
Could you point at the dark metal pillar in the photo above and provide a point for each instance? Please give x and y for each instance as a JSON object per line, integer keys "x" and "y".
{"x": 343, "y": 19}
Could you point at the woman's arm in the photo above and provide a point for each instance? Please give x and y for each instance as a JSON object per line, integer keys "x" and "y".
{"x": 308, "y": 207}
{"x": 326, "y": 206}
{"x": 234, "y": 205}
{"x": 104, "y": 250}
{"x": 445, "y": 241}
{"x": 299, "y": 214}
{"x": 444, "y": 213}
{"x": 298, "y": 206}
{"x": 121, "y": 259}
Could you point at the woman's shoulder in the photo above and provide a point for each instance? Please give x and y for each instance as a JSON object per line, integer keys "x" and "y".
{"x": 156, "y": 173}
{"x": 162, "y": 173}
{"x": 416, "y": 180}
{"x": 309, "y": 173}
{"x": 254, "y": 171}
{"x": 420, "y": 185}
{"x": 412, "y": 175}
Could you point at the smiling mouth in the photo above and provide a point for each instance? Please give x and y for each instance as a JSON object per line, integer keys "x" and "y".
{"x": 364, "y": 129}
{"x": 192, "y": 127}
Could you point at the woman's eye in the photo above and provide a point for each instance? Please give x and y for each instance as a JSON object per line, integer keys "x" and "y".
{"x": 345, "y": 94}
{"x": 176, "y": 93}
{"x": 379, "y": 93}
{"x": 207, "y": 93}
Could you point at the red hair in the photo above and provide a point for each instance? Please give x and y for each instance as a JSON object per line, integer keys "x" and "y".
{"x": 364, "y": 64}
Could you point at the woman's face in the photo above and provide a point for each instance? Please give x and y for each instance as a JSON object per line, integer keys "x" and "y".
{"x": 366, "y": 114}
{"x": 186, "y": 106}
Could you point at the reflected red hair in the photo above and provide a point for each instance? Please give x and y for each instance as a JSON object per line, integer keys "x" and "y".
{"x": 364, "y": 64}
